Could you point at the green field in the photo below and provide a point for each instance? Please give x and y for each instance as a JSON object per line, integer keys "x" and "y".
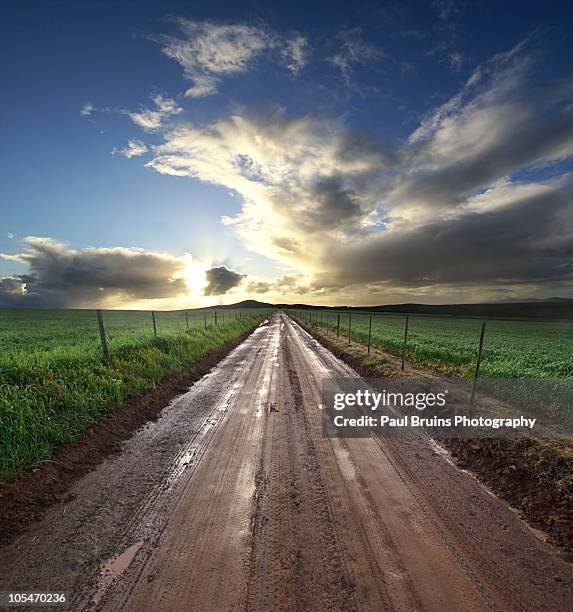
{"x": 512, "y": 349}
{"x": 539, "y": 353}
{"x": 54, "y": 382}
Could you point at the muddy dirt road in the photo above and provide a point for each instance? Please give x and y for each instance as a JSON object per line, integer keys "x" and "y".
{"x": 232, "y": 500}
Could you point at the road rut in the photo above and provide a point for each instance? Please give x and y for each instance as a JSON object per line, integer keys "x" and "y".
{"x": 233, "y": 500}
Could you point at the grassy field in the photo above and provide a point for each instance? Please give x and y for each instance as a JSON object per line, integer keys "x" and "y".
{"x": 54, "y": 383}
{"x": 512, "y": 350}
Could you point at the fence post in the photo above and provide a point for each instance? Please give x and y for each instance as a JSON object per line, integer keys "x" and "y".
{"x": 478, "y": 362}
{"x": 369, "y": 333}
{"x": 321, "y": 319}
{"x": 349, "y": 325}
{"x": 154, "y": 324}
{"x": 205, "y": 313}
{"x": 187, "y": 319}
{"x": 405, "y": 341}
{"x": 327, "y": 322}
{"x": 102, "y": 336}
{"x": 223, "y": 316}
{"x": 216, "y": 319}
{"x": 338, "y": 327}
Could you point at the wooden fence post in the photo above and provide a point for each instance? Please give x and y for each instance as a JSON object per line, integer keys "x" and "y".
{"x": 216, "y": 319}
{"x": 102, "y": 336}
{"x": 205, "y": 313}
{"x": 405, "y": 342}
{"x": 349, "y": 325}
{"x": 478, "y": 362}
{"x": 369, "y": 333}
{"x": 187, "y": 319}
{"x": 154, "y": 323}
{"x": 338, "y": 327}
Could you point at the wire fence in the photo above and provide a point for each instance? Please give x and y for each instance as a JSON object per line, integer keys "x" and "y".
{"x": 492, "y": 353}
{"x": 79, "y": 331}
{"x": 468, "y": 345}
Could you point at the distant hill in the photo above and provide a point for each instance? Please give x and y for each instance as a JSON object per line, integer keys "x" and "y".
{"x": 244, "y": 304}
{"x": 553, "y": 308}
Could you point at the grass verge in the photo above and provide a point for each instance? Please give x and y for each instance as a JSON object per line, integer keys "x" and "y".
{"x": 48, "y": 398}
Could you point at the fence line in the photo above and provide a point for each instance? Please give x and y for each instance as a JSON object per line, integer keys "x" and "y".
{"x": 434, "y": 316}
{"x": 238, "y": 314}
{"x": 311, "y": 316}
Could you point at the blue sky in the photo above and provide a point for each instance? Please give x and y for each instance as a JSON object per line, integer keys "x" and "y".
{"x": 229, "y": 108}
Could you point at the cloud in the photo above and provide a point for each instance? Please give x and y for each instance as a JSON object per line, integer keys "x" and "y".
{"x": 87, "y": 110}
{"x": 288, "y": 284}
{"x": 294, "y": 54}
{"x": 353, "y": 51}
{"x": 151, "y": 120}
{"x": 454, "y": 205}
{"x": 525, "y": 235}
{"x": 63, "y": 277}
{"x": 12, "y": 290}
{"x": 209, "y": 51}
{"x": 456, "y": 60}
{"x": 220, "y": 280}
{"x": 445, "y": 9}
{"x": 10, "y": 235}
{"x": 134, "y": 148}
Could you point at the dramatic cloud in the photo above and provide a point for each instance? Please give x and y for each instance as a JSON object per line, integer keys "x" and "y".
{"x": 299, "y": 177}
{"x": 208, "y": 51}
{"x": 64, "y": 277}
{"x": 450, "y": 206}
{"x": 221, "y": 279}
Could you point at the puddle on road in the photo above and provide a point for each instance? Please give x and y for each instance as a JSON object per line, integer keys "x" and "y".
{"x": 114, "y": 568}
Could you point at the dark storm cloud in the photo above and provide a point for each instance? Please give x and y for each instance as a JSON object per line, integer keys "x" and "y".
{"x": 530, "y": 240}
{"x": 220, "y": 280}
{"x": 64, "y": 277}
{"x": 530, "y": 142}
{"x": 333, "y": 205}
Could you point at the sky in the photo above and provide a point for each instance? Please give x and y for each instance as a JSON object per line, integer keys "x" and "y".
{"x": 182, "y": 154}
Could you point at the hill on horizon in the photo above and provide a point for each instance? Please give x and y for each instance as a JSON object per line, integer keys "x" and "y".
{"x": 552, "y": 308}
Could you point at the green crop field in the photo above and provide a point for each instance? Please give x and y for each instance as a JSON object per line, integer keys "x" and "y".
{"x": 513, "y": 349}
{"x": 54, "y": 382}
{"x": 519, "y": 349}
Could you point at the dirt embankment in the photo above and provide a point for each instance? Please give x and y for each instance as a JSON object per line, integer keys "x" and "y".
{"x": 25, "y": 500}
{"x": 535, "y": 476}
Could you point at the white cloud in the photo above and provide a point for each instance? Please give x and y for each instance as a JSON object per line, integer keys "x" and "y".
{"x": 151, "y": 120}
{"x": 87, "y": 110}
{"x": 134, "y": 148}
{"x": 210, "y": 51}
{"x": 295, "y": 54}
{"x": 308, "y": 184}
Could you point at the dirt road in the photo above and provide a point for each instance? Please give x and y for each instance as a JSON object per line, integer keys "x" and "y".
{"x": 232, "y": 500}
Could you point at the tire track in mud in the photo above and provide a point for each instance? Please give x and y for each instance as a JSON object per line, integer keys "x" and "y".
{"x": 147, "y": 524}
{"x": 296, "y": 562}
{"x": 496, "y": 551}
{"x": 378, "y": 572}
